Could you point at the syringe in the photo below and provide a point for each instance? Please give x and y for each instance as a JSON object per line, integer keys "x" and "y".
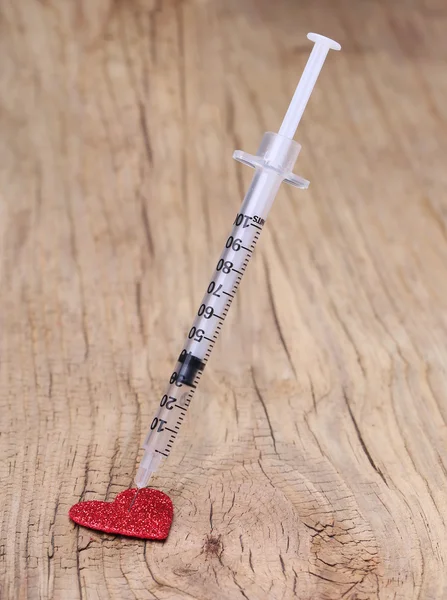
{"x": 273, "y": 164}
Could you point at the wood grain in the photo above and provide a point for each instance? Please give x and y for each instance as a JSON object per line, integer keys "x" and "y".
{"x": 318, "y": 467}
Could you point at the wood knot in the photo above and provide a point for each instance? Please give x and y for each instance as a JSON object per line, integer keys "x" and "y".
{"x": 213, "y": 546}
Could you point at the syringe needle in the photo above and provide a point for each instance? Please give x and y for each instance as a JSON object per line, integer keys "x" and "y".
{"x": 134, "y": 498}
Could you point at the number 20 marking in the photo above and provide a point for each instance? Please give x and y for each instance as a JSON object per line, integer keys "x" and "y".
{"x": 168, "y": 401}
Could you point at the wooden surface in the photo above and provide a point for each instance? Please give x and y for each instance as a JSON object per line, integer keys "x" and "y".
{"x": 318, "y": 467}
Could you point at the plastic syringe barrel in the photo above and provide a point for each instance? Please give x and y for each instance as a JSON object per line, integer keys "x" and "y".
{"x": 273, "y": 163}
{"x": 207, "y": 324}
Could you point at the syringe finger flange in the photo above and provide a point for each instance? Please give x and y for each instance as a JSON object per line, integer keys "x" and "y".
{"x": 276, "y": 153}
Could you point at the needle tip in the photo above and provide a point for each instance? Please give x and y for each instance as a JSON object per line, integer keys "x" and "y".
{"x": 133, "y": 499}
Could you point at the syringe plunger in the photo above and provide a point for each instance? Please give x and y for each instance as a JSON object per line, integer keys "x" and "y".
{"x": 307, "y": 82}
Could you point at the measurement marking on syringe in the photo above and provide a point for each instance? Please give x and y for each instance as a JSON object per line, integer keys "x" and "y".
{"x": 227, "y": 294}
{"x": 227, "y": 307}
{"x": 160, "y": 452}
{"x": 236, "y": 271}
{"x": 169, "y": 429}
{"x": 207, "y": 338}
{"x": 180, "y": 407}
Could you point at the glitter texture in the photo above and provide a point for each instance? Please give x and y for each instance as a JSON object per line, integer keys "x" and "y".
{"x": 150, "y": 517}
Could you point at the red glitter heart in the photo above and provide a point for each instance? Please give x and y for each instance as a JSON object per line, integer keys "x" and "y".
{"x": 150, "y": 517}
